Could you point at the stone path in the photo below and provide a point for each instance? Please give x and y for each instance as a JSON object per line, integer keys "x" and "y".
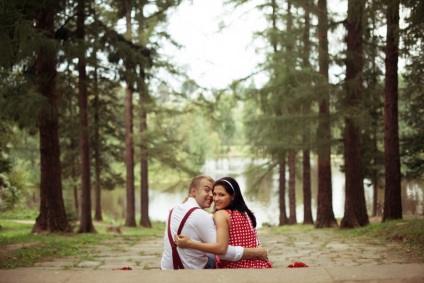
{"x": 316, "y": 248}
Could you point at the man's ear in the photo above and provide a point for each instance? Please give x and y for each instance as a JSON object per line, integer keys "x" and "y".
{"x": 193, "y": 192}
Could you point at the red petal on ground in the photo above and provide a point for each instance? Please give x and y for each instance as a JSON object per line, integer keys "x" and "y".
{"x": 123, "y": 268}
{"x": 297, "y": 264}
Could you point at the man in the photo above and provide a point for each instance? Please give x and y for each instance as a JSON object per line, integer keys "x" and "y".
{"x": 199, "y": 226}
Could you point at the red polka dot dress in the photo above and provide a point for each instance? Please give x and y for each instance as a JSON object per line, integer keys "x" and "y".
{"x": 242, "y": 233}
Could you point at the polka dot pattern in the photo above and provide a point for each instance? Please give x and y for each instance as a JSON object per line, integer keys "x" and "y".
{"x": 242, "y": 233}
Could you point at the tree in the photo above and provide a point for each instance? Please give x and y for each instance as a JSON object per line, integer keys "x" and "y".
{"x": 96, "y": 148}
{"x": 144, "y": 101}
{"x": 292, "y": 187}
{"x": 373, "y": 133}
{"x": 355, "y": 214}
{"x": 86, "y": 223}
{"x": 306, "y": 109}
{"x": 392, "y": 195}
{"x": 325, "y": 214}
{"x": 129, "y": 131}
{"x": 282, "y": 191}
{"x": 413, "y": 95}
{"x": 52, "y": 217}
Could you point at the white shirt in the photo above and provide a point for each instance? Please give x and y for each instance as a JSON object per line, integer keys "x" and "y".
{"x": 199, "y": 227}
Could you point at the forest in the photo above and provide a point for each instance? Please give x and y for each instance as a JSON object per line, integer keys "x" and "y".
{"x": 91, "y": 101}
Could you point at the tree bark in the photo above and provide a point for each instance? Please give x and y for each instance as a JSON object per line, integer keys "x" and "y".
{"x": 144, "y": 172}
{"x": 282, "y": 162}
{"x": 74, "y": 158}
{"x": 392, "y": 196}
{"x": 355, "y": 214}
{"x": 86, "y": 222}
{"x": 282, "y": 191}
{"x": 129, "y": 142}
{"x": 307, "y": 195}
{"x": 97, "y": 168}
{"x": 52, "y": 216}
{"x": 292, "y": 187}
{"x": 144, "y": 148}
{"x": 325, "y": 214}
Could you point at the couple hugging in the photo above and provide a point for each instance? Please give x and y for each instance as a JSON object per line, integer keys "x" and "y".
{"x": 195, "y": 240}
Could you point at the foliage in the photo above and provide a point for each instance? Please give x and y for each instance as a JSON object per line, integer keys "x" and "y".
{"x": 412, "y": 97}
{"x": 9, "y": 194}
{"x": 34, "y": 247}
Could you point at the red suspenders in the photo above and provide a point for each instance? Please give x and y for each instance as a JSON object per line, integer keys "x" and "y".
{"x": 175, "y": 256}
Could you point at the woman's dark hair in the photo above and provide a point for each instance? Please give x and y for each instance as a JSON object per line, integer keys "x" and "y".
{"x": 233, "y": 188}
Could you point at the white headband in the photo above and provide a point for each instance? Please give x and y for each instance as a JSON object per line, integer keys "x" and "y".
{"x": 229, "y": 184}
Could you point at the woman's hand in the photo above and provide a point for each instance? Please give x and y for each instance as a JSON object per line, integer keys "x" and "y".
{"x": 182, "y": 241}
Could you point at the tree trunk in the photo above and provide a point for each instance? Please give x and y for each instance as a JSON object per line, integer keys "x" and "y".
{"x": 355, "y": 214}
{"x": 292, "y": 187}
{"x": 129, "y": 142}
{"x": 307, "y": 195}
{"x": 282, "y": 191}
{"x": 74, "y": 159}
{"x": 144, "y": 186}
{"x": 325, "y": 214}
{"x": 97, "y": 168}
{"x": 353, "y": 173}
{"x": 86, "y": 223}
{"x": 392, "y": 196}
{"x": 52, "y": 217}
{"x": 375, "y": 201}
{"x": 144, "y": 149}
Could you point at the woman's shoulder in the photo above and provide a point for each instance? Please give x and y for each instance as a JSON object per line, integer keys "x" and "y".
{"x": 222, "y": 213}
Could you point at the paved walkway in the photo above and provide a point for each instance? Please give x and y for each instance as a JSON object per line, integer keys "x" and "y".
{"x": 330, "y": 257}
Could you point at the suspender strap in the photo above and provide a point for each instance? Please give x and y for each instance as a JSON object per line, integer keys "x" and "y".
{"x": 175, "y": 256}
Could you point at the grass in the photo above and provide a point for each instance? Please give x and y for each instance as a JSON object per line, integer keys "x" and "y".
{"x": 21, "y": 214}
{"x": 20, "y": 248}
{"x": 409, "y": 233}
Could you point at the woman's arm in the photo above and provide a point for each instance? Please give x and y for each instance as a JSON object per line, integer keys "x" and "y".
{"x": 222, "y": 234}
{"x": 258, "y": 252}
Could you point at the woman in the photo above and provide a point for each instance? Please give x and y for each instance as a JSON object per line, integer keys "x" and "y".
{"x": 235, "y": 225}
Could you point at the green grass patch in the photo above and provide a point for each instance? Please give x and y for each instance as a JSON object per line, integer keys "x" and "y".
{"x": 22, "y": 214}
{"x": 157, "y": 229}
{"x": 291, "y": 228}
{"x": 409, "y": 233}
{"x": 20, "y": 248}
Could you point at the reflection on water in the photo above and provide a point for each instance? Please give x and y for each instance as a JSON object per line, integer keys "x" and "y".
{"x": 262, "y": 197}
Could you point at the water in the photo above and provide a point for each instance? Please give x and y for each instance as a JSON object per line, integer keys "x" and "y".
{"x": 264, "y": 201}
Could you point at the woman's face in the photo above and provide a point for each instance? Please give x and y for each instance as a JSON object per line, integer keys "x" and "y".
{"x": 221, "y": 198}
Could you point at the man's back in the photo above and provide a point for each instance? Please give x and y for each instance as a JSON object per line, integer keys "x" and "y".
{"x": 199, "y": 227}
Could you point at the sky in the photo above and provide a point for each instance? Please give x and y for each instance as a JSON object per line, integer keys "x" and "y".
{"x": 215, "y": 58}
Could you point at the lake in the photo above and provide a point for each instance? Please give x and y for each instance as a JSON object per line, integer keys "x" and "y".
{"x": 262, "y": 198}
